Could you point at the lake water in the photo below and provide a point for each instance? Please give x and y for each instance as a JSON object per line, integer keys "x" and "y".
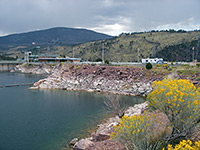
{"x": 46, "y": 119}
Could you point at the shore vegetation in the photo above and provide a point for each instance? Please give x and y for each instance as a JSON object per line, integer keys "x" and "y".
{"x": 179, "y": 100}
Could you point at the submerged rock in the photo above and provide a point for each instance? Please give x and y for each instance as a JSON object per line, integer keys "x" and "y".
{"x": 33, "y": 88}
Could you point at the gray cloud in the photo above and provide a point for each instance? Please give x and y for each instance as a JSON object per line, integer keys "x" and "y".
{"x": 108, "y": 16}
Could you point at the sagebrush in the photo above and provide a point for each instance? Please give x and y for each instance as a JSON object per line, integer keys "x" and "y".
{"x": 180, "y": 101}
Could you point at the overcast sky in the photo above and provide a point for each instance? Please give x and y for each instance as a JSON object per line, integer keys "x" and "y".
{"x": 107, "y": 16}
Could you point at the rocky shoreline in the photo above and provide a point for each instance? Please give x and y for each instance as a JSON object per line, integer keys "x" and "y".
{"x": 109, "y": 79}
{"x": 101, "y": 138}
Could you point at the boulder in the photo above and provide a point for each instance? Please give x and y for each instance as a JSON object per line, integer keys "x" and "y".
{"x": 101, "y": 136}
{"x": 73, "y": 141}
{"x": 33, "y": 88}
{"x": 39, "y": 82}
{"x": 105, "y": 129}
{"x": 195, "y": 82}
{"x": 107, "y": 145}
{"x": 83, "y": 144}
{"x": 136, "y": 109}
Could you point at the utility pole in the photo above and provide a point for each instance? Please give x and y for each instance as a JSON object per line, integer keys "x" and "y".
{"x": 193, "y": 54}
{"x": 103, "y": 54}
{"x": 138, "y": 55}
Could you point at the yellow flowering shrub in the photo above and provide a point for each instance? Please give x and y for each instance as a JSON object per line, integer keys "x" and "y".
{"x": 135, "y": 132}
{"x": 165, "y": 65}
{"x": 185, "y": 145}
{"x": 180, "y": 101}
{"x": 158, "y": 65}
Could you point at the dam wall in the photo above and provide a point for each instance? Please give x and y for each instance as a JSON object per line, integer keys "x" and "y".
{"x": 8, "y": 65}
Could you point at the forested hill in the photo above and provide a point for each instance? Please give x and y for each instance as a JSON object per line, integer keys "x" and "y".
{"x": 54, "y": 36}
{"x": 171, "y": 45}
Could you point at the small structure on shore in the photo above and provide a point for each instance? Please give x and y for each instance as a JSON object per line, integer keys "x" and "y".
{"x": 153, "y": 60}
{"x": 28, "y": 57}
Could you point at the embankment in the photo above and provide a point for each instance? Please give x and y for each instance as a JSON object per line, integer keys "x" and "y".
{"x": 111, "y": 79}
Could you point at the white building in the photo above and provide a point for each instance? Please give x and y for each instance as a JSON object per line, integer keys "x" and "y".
{"x": 26, "y": 56}
{"x": 152, "y": 60}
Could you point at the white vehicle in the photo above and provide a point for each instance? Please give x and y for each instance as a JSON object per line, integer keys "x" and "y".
{"x": 153, "y": 60}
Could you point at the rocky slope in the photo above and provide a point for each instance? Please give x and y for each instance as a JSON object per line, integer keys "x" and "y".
{"x": 118, "y": 80}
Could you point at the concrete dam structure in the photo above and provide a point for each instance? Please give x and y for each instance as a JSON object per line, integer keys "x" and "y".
{"x": 8, "y": 65}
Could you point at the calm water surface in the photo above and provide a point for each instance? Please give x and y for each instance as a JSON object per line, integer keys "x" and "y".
{"x": 45, "y": 119}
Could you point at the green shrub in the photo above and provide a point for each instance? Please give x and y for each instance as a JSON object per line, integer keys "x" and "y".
{"x": 52, "y": 65}
{"x": 135, "y": 132}
{"x": 185, "y": 65}
{"x": 148, "y": 66}
{"x": 78, "y": 67}
{"x": 93, "y": 64}
{"x": 180, "y": 101}
{"x": 98, "y": 60}
{"x": 106, "y": 62}
{"x": 198, "y": 65}
{"x": 198, "y": 79}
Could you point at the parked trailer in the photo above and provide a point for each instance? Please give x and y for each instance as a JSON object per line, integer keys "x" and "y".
{"x": 153, "y": 60}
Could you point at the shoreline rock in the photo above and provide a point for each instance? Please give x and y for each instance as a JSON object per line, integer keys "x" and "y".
{"x": 102, "y": 134}
{"x": 100, "y": 140}
{"x": 108, "y": 79}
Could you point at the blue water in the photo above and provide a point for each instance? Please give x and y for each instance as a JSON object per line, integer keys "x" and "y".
{"x": 45, "y": 119}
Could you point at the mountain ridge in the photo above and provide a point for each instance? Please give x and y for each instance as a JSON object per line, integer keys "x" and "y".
{"x": 61, "y": 35}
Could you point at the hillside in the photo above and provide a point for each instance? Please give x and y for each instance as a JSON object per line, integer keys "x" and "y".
{"x": 53, "y": 36}
{"x": 124, "y": 47}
